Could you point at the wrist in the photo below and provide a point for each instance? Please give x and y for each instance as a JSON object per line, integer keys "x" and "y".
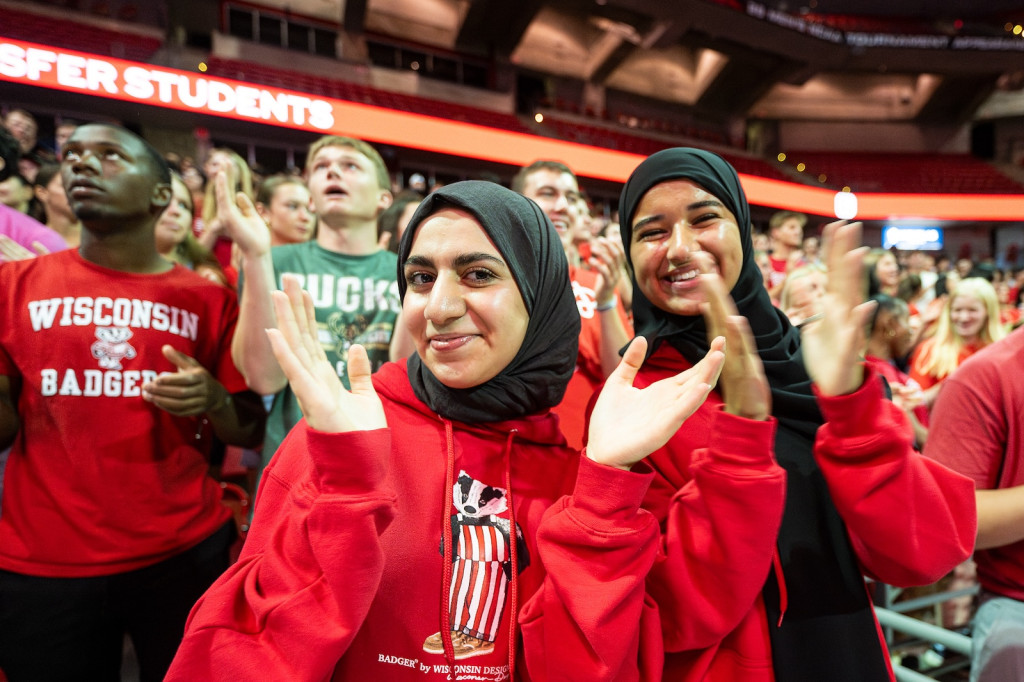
{"x": 607, "y": 305}
{"x": 223, "y": 403}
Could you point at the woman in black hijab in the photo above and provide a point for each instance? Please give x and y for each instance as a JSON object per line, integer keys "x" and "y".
{"x": 398, "y": 531}
{"x": 762, "y": 577}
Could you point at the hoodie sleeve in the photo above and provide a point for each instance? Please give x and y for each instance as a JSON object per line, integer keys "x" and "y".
{"x": 910, "y": 519}
{"x": 311, "y": 565}
{"x": 719, "y": 532}
{"x": 597, "y": 546}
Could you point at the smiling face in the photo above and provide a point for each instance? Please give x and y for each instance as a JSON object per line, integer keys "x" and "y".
{"x": 557, "y": 194}
{"x": 175, "y": 222}
{"x": 888, "y": 271}
{"x": 680, "y": 230}
{"x": 968, "y": 316}
{"x": 343, "y": 184}
{"x": 462, "y": 305}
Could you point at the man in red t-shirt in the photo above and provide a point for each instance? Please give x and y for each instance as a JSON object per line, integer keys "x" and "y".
{"x": 595, "y": 268}
{"x": 976, "y": 429}
{"x": 115, "y": 374}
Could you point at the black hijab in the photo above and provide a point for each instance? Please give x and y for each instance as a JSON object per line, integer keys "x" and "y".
{"x": 536, "y": 378}
{"x": 828, "y": 629}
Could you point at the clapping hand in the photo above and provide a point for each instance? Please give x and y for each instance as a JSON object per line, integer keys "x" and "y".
{"x": 325, "y": 402}
{"x": 743, "y": 385}
{"x": 629, "y": 423}
{"x": 832, "y": 346}
{"x": 188, "y": 391}
{"x": 607, "y": 258}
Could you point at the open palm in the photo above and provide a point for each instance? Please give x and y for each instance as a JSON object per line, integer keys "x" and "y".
{"x": 325, "y": 402}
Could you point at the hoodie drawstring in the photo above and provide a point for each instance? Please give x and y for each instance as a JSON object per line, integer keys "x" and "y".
{"x": 514, "y": 542}
{"x": 780, "y": 578}
{"x": 446, "y": 572}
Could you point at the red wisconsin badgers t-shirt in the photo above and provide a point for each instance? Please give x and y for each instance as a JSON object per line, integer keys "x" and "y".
{"x": 99, "y": 481}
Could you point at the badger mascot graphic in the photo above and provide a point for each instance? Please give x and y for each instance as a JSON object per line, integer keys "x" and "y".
{"x": 481, "y": 568}
{"x": 112, "y": 346}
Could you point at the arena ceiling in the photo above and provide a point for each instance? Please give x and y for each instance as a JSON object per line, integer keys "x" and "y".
{"x": 729, "y": 58}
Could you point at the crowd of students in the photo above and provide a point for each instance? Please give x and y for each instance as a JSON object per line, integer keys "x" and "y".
{"x": 489, "y": 439}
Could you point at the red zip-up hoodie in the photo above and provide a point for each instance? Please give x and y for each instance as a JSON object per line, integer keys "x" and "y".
{"x": 389, "y": 554}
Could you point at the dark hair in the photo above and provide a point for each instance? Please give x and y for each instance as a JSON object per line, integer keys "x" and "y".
{"x": 270, "y": 185}
{"x": 986, "y": 271}
{"x": 941, "y": 285}
{"x": 156, "y": 160}
{"x": 885, "y": 304}
{"x": 909, "y": 287}
{"x": 10, "y": 154}
{"x": 519, "y": 181}
{"x": 387, "y": 221}
{"x": 46, "y": 173}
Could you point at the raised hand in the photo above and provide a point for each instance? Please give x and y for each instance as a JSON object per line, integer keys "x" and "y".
{"x": 607, "y": 258}
{"x": 238, "y": 218}
{"x": 629, "y": 423}
{"x": 187, "y": 392}
{"x": 742, "y": 384}
{"x": 832, "y": 346}
{"x": 325, "y": 402}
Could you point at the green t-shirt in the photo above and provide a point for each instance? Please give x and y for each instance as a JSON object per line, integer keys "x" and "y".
{"x": 356, "y": 301}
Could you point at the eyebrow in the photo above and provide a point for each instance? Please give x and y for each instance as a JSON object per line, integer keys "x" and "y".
{"x": 462, "y": 260}
{"x": 102, "y": 144}
{"x": 708, "y": 203}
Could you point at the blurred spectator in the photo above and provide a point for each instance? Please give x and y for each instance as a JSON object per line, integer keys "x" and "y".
{"x": 283, "y": 202}
{"x": 25, "y": 129}
{"x": 964, "y": 267}
{"x": 175, "y": 240}
{"x": 803, "y": 292}
{"x": 786, "y": 229}
{"x": 20, "y": 236}
{"x": 889, "y": 337}
{"x": 212, "y": 233}
{"x": 57, "y": 213}
{"x": 16, "y": 192}
{"x": 883, "y": 272}
{"x": 812, "y": 248}
{"x": 62, "y": 133}
{"x": 595, "y": 269}
{"x": 393, "y": 220}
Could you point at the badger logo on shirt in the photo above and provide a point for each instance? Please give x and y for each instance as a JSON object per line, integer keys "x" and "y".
{"x": 112, "y": 346}
{"x": 481, "y": 567}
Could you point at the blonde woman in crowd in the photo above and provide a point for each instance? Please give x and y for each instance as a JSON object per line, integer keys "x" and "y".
{"x": 969, "y": 322}
{"x": 211, "y": 230}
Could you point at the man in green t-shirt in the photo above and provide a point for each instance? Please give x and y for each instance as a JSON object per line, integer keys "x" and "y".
{"x": 351, "y": 280}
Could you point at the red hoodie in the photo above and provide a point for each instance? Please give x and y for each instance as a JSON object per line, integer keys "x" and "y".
{"x": 910, "y": 521}
{"x": 343, "y": 574}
